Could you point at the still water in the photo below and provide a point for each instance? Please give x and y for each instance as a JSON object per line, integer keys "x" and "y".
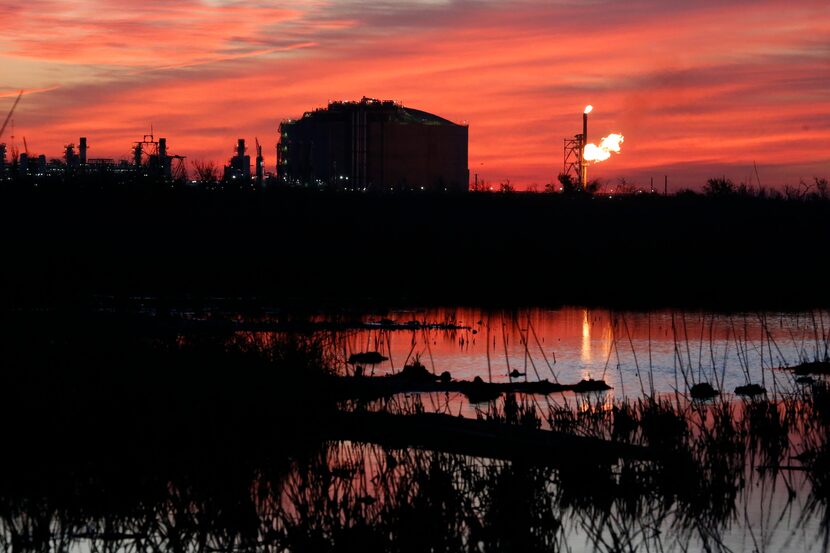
{"x": 348, "y": 496}
{"x": 636, "y": 353}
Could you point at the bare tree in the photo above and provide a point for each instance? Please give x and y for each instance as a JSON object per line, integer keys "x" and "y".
{"x": 206, "y": 171}
{"x": 822, "y": 187}
{"x": 719, "y": 187}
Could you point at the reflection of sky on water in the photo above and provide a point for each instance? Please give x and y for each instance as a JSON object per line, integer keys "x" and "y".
{"x": 631, "y": 351}
{"x": 348, "y": 484}
{"x": 634, "y": 352}
{"x": 765, "y": 516}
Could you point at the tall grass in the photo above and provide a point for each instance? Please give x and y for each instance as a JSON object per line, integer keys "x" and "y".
{"x": 135, "y": 442}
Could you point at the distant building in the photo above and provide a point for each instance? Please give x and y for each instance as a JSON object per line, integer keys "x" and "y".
{"x": 240, "y": 165}
{"x": 373, "y": 145}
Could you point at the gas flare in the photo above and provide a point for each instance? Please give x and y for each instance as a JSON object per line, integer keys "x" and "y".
{"x": 610, "y": 143}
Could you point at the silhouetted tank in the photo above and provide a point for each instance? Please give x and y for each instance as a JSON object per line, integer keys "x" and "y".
{"x": 373, "y": 145}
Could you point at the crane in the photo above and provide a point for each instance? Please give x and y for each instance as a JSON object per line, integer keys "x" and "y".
{"x": 11, "y": 111}
{"x": 258, "y": 149}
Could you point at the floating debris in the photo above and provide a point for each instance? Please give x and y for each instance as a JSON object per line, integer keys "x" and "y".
{"x": 367, "y": 358}
{"x": 811, "y": 367}
{"x": 388, "y": 324}
{"x": 480, "y": 392}
{"x": 415, "y": 372}
{"x": 750, "y": 390}
{"x": 416, "y": 378}
{"x": 590, "y": 385}
{"x": 703, "y": 390}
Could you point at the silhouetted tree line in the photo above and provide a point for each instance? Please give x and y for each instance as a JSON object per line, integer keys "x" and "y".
{"x": 725, "y": 248}
{"x": 819, "y": 189}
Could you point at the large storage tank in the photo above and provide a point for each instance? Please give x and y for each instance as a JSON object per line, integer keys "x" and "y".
{"x": 373, "y": 145}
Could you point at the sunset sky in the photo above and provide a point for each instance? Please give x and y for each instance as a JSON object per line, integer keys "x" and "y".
{"x": 699, "y": 89}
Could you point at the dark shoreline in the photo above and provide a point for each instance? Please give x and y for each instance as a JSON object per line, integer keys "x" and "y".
{"x": 310, "y": 249}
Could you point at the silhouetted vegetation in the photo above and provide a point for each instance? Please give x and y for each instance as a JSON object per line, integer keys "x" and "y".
{"x": 134, "y": 435}
{"x": 124, "y": 436}
{"x": 725, "y": 251}
{"x": 114, "y": 392}
{"x": 719, "y": 187}
{"x": 570, "y": 185}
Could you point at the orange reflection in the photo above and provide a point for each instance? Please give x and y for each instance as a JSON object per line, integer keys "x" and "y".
{"x": 586, "y": 337}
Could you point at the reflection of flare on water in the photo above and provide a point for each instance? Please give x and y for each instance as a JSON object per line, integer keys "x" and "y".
{"x": 586, "y": 337}
{"x": 595, "y": 403}
{"x": 604, "y": 334}
{"x": 607, "y": 338}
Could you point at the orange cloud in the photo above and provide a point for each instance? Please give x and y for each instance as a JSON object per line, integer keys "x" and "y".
{"x": 698, "y": 90}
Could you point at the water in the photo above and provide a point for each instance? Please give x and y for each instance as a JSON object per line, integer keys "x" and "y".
{"x": 349, "y": 497}
{"x": 636, "y": 353}
{"x": 342, "y": 495}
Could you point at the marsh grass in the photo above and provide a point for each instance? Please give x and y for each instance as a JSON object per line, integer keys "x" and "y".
{"x": 153, "y": 443}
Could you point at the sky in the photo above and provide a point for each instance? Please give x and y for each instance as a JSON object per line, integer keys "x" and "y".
{"x": 699, "y": 89}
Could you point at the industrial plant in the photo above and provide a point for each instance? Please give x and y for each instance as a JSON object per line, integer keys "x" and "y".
{"x": 373, "y": 145}
{"x": 239, "y": 167}
{"x": 366, "y": 145}
{"x": 578, "y": 152}
{"x": 150, "y": 160}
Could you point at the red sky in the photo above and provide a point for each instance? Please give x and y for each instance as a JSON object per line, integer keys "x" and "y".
{"x": 699, "y": 89}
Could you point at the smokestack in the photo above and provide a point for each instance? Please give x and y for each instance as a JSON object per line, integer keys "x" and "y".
{"x": 583, "y": 173}
{"x": 82, "y": 149}
{"x": 70, "y": 157}
{"x": 240, "y": 148}
{"x": 137, "y": 156}
{"x": 164, "y": 159}
{"x": 260, "y": 162}
{"x": 260, "y": 168}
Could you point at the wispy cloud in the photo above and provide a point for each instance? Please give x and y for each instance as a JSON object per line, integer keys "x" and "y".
{"x": 704, "y": 86}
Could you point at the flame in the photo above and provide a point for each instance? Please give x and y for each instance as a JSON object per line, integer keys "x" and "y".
{"x": 610, "y": 143}
{"x": 589, "y": 108}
